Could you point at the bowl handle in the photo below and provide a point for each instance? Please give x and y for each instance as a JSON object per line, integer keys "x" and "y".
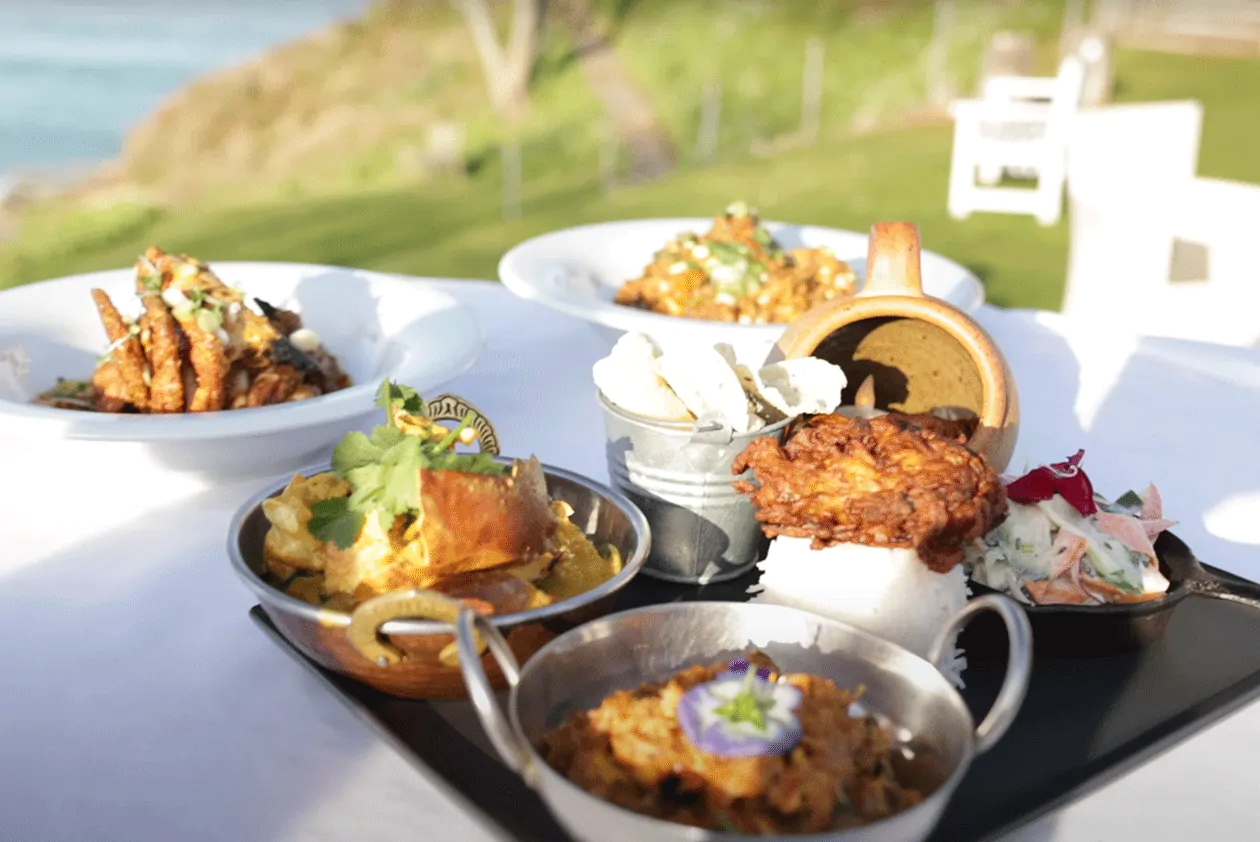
{"x": 507, "y": 742}
{"x": 1018, "y": 662}
{"x": 366, "y": 620}
{"x": 893, "y": 260}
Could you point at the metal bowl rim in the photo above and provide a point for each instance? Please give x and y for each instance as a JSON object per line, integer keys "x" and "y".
{"x": 272, "y": 597}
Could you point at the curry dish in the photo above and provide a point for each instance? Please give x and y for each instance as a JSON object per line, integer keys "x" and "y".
{"x": 632, "y": 750}
{"x": 197, "y": 347}
{"x": 737, "y": 273}
{"x": 401, "y": 509}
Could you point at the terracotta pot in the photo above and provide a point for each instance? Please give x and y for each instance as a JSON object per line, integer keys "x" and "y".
{"x": 922, "y": 352}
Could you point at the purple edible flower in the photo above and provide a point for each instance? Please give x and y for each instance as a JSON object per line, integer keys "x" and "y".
{"x": 741, "y": 714}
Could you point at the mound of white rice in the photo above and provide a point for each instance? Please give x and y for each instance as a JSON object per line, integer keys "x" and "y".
{"x": 889, "y": 593}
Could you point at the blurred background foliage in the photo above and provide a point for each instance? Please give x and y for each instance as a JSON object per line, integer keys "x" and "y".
{"x": 374, "y": 143}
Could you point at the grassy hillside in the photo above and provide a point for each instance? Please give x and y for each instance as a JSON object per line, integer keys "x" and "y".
{"x": 362, "y": 211}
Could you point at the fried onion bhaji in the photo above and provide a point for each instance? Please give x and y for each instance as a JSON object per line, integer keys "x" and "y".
{"x": 125, "y": 352}
{"x": 956, "y": 429}
{"x": 876, "y": 482}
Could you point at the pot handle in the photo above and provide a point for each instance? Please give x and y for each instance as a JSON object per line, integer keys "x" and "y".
{"x": 366, "y": 620}
{"x": 893, "y": 261}
{"x": 1018, "y": 662}
{"x": 507, "y": 742}
{"x": 1215, "y": 587}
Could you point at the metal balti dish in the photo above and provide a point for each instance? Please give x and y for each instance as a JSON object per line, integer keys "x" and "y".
{"x": 579, "y": 668}
{"x": 1082, "y": 631}
{"x": 327, "y": 637}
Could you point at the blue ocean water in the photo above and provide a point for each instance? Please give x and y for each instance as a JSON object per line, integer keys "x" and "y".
{"x": 75, "y": 75}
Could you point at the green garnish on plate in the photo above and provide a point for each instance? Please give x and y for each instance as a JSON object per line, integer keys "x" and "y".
{"x": 383, "y": 469}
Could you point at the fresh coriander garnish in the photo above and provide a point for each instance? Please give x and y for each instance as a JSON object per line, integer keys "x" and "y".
{"x": 383, "y": 469}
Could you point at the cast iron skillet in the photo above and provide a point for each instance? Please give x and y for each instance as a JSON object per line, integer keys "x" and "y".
{"x": 1087, "y": 631}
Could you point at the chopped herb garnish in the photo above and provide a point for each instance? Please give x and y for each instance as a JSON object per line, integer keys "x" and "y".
{"x": 334, "y": 520}
{"x": 393, "y": 397}
{"x": 383, "y": 469}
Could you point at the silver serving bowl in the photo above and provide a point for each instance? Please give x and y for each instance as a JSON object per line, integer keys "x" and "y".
{"x": 937, "y": 736}
{"x": 383, "y": 643}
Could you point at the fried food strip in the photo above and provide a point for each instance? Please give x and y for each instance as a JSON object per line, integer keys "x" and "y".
{"x": 185, "y": 274}
{"x": 876, "y": 482}
{"x": 209, "y": 363}
{"x": 159, "y": 335}
{"x": 274, "y": 385}
{"x": 111, "y": 391}
{"x": 125, "y": 351}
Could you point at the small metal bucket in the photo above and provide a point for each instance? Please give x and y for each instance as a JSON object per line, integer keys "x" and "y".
{"x": 932, "y": 727}
{"x": 679, "y": 475}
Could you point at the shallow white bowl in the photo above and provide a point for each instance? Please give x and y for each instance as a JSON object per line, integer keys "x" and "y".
{"x": 577, "y": 270}
{"x": 378, "y": 326}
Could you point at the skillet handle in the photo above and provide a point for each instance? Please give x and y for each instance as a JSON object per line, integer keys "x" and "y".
{"x": 506, "y": 741}
{"x": 1018, "y": 662}
{"x": 1215, "y": 587}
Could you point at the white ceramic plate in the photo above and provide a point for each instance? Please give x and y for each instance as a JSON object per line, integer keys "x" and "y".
{"x": 577, "y": 270}
{"x": 377, "y": 326}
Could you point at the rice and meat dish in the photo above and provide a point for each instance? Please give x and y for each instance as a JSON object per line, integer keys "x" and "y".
{"x": 402, "y": 509}
{"x": 737, "y": 272}
{"x": 1064, "y": 544}
{"x": 197, "y": 347}
{"x": 870, "y": 519}
{"x": 739, "y": 747}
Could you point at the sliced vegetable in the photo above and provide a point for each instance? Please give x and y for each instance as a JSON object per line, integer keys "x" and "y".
{"x": 1063, "y": 478}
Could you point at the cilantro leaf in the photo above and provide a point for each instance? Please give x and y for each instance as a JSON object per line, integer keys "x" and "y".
{"x": 383, "y": 470}
{"x": 386, "y": 437}
{"x": 394, "y": 397}
{"x": 335, "y": 520}
{"x": 152, "y": 282}
{"x": 354, "y": 451}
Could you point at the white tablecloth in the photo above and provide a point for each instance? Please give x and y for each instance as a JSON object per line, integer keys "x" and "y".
{"x": 138, "y": 703}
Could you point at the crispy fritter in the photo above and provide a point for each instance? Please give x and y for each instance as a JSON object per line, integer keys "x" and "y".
{"x": 274, "y": 385}
{"x": 160, "y": 337}
{"x": 125, "y": 352}
{"x": 110, "y": 389}
{"x": 209, "y": 363}
{"x": 196, "y": 347}
{"x": 878, "y": 482}
{"x": 956, "y": 429}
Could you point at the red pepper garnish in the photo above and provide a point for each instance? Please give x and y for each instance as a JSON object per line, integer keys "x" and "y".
{"x": 1063, "y": 478}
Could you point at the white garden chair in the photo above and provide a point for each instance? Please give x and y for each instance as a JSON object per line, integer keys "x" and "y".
{"x": 1020, "y": 127}
{"x": 1132, "y": 194}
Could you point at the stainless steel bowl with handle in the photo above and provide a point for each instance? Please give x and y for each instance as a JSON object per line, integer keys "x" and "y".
{"x": 359, "y": 643}
{"x": 936, "y": 735}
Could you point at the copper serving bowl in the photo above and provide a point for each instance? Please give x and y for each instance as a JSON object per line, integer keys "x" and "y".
{"x": 355, "y": 643}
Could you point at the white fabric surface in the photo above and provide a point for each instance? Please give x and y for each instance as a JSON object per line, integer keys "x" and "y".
{"x": 140, "y": 704}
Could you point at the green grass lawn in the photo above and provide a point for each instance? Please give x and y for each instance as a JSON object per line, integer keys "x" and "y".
{"x": 457, "y": 230}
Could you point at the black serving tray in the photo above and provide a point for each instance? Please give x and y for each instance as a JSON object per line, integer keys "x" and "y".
{"x": 1084, "y": 723}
